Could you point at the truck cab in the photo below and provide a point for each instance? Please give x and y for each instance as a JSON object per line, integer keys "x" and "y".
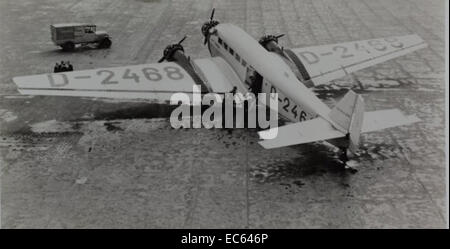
{"x": 68, "y": 35}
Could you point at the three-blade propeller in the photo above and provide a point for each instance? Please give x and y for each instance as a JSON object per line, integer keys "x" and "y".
{"x": 170, "y": 49}
{"x": 210, "y": 20}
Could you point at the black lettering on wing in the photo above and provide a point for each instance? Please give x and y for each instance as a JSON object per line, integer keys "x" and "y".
{"x": 343, "y": 50}
{"x": 309, "y": 57}
{"x": 107, "y": 80}
{"x": 55, "y": 82}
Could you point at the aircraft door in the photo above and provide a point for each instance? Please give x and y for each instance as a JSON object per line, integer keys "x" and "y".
{"x": 253, "y": 80}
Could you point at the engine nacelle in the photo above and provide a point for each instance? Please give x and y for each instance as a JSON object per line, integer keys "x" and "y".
{"x": 208, "y": 26}
{"x": 175, "y": 53}
{"x": 170, "y": 50}
{"x": 270, "y": 42}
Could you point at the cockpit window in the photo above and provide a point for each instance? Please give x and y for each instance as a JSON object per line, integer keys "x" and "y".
{"x": 220, "y": 41}
{"x": 231, "y": 51}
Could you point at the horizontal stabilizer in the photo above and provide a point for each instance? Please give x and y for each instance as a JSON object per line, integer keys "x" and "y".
{"x": 298, "y": 133}
{"x": 378, "y": 120}
{"x": 319, "y": 129}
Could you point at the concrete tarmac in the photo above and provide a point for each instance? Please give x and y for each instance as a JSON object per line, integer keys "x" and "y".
{"x": 69, "y": 162}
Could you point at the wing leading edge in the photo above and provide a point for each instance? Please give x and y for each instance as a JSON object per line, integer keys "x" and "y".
{"x": 149, "y": 81}
{"x": 158, "y": 81}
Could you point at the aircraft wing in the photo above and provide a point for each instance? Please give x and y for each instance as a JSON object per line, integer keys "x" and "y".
{"x": 156, "y": 81}
{"x": 218, "y": 75}
{"x": 321, "y": 64}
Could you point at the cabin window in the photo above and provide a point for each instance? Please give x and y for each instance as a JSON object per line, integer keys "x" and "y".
{"x": 225, "y": 45}
{"x": 238, "y": 58}
{"x": 231, "y": 51}
{"x": 220, "y": 41}
{"x": 244, "y": 63}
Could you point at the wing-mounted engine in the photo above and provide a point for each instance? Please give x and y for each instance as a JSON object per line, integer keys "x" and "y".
{"x": 270, "y": 43}
{"x": 175, "y": 53}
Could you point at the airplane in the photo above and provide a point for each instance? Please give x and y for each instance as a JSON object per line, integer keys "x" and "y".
{"x": 240, "y": 62}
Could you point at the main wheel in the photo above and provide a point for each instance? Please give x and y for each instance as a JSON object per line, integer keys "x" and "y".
{"x": 105, "y": 43}
{"x": 68, "y": 46}
{"x": 343, "y": 155}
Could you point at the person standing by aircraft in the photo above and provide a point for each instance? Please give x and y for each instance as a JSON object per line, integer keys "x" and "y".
{"x": 255, "y": 83}
{"x": 69, "y": 66}
{"x": 63, "y": 67}
{"x": 57, "y": 68}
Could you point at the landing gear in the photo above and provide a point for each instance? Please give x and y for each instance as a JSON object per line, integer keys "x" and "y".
{"x": 343, "y": 155}
{"x": 343, "y": 158}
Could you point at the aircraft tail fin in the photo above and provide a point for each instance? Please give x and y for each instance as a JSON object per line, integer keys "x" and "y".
{"x": 349, "y": 115}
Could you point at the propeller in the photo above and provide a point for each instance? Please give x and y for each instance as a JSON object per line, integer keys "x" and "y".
{"x": 184, "y": 38}
{"x": 211, "y": 23}
{"x": 269, "y": 38}
{"x": 212, "y": 14}
{"x": 279, "y": 36}
{"x": 170, "y": 49}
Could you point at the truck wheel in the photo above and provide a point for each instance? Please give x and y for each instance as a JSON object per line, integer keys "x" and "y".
{"x": 68, "y": 46}
{"x": 105, "y": 43}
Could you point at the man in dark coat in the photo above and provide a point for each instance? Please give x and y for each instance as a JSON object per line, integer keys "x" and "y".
{"x": 57, "y": 68}
{"x": 69, "y": 66}
{"x": 63, "y": 67}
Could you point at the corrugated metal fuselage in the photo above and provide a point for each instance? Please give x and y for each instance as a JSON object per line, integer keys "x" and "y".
{"x": 246, "y": 56}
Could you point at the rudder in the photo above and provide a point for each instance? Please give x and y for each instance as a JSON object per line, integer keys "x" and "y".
{"x": 356, "y": 124}
{"x": 349, "y": 115}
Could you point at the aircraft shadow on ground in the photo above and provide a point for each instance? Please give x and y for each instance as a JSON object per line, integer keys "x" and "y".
{"x": 313, "y": 160}
{"x": 141, "y": 111}
{"x": 317, "y": 160}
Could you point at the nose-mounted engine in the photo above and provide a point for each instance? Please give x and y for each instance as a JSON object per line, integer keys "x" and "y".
{"x": 207, "y": 26}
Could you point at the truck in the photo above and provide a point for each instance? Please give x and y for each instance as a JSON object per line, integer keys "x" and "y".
{"x": 68, "y": 35}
